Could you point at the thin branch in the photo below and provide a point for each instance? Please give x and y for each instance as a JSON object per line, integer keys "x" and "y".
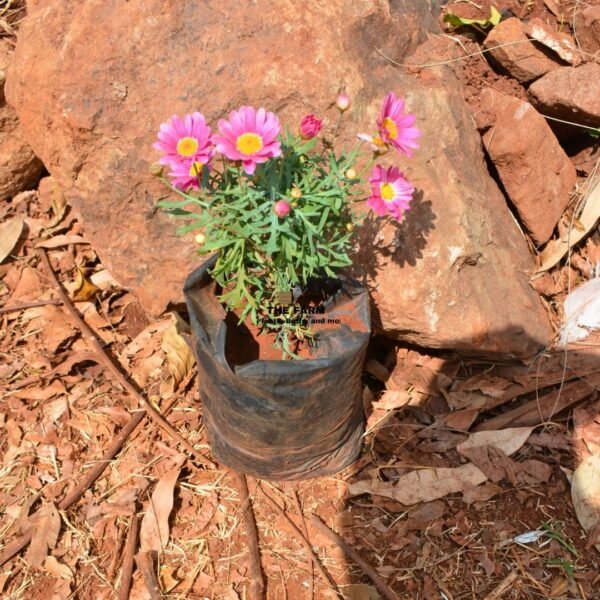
{"x": 311, "y": 591}
{"x": 17, "y": 545}
{"x": 128, "y": 558}
{"x": 257, "y": 584}
{"x": 26, "y": 305}
{"x": 305, "y": 543}
{"x": 90, "y": 337}
{"x": 381, "y": 585}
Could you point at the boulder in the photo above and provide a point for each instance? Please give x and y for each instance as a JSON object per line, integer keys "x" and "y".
{"x": 509, "y": 49}
{"x": 535, "y": 171}
{"x": 569, "y": 93}
{"x": 20, "y": 169}
{"x": 93, "y": 115}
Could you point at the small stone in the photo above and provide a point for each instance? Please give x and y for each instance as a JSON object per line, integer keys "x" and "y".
{"x": 586, "y": 25}
{"x": 535, "y": 171}
{"x": 570, "y": 93}
{"x": 558, "y": 41}
{"x": 511, "y": 50}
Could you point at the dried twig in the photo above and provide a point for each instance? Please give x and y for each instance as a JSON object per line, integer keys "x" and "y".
{"x": 128, "y": 558}
{"x": 17, "y": 545}
{"x": 311, "y": 590}
{"x": 145, "y": 565}
{"x": 26, "y": 305}
{"x": 257, "y": 584}
{"x": 305, "y": 543}
{"x": 504, "y": 586}
{"x": 90, "y": 337}
{"x": 381, "y": 585}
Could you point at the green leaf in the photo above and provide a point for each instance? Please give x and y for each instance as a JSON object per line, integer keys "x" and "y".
{"x": 491, "y": 21}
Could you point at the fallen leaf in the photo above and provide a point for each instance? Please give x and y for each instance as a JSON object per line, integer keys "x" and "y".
{"x": 590, "y": 214}
{"x": 391, "y": 399}
{"x": 57, "y": 569}
{"x": 154, "y": 530}
{"x": 585, "y": 492}
{"x": 422, "y": 485}
{"x": 84, "y": 289}
{"x": 10, "y": 232}
{"x": 530, "y": 537}
{"x": 508, "y": 440}
{"x": 180, "y": 357}
{"x": 480, "y": 493}
{"x": 46, "y": 526}
{"x": 61, "y": 240}
{"x": 360, "y": 591}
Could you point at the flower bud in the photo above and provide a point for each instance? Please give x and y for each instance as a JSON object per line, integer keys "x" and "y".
{"x": 310, "y": 127}
{"x": 342, "y": 101}
{"x": 156, "y": 169}
{"x": 294, "y": 204}
{"x": 350, "y": 226}
{"x": 296, "y": 193}
{"x": 350, "y": 174}
{"x": 200, "y": 239}
{"x": 282, "y": 208}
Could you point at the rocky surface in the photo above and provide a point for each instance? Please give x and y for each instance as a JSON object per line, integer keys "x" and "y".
{"x": 587, "y": 28}
{"x": 510, "y": 49}
{"x": 569, "y": 93}
{"x": 436, "y": 279}
{"x": 535, "y": 171}
{"x": 20, "y": 169}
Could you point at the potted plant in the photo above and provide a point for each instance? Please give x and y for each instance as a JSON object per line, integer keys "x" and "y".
{"x": 274, "y": 211}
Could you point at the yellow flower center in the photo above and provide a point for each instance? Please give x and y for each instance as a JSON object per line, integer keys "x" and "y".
{"x": 390, "y": 126}
{"x": 388, "y": 193}
{"x": 196, "y": 169}
{"x": 249, "y": 143}
{"x": 187, "y": 146}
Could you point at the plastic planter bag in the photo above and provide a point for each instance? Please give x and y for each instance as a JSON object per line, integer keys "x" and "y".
{"x": 282, "y": 419}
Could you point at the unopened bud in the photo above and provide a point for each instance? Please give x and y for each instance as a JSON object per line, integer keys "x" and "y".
{"x": 296, "y": 193}
{"x": 342, "y": 101}
{"x": 350, "y": 226}
{"x": 351, "y": 174}
{"x": 200, "y": 239}
{"x": 282, "y": 208}
{"x": 156, "y": 169}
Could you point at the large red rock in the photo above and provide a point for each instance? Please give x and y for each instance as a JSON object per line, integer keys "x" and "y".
{"x": 535, "y": 171}
{"x": 20, "y": 169}
{"x": 570, "y": 93}
{"x": 92, "y": 81}
{"x": 509, "y": 49}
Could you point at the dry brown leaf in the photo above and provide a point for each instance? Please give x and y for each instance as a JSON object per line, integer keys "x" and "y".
{"x": 57, "y": 569}
{"x": 61, "y": 240}
{"x": 154, "y": 530}
{"x": 590, "y": 214}
{"x": 585, "y": 492}
{"x": 84, "y": 290}
{"x": 10, "y": 232}
{"x": 46, "y": 526}
{"x": 508, "y": 440}
{"x": 391, "y": 400}
{"x": 180, "y": 358}
{"x": 422, "y": 485}
{"x": 361, "y": 591}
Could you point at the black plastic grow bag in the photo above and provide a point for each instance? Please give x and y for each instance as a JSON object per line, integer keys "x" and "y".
{"x": 282, "y": 419}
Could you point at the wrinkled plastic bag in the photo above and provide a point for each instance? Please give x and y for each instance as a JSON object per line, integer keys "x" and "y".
{"x": 282, "y": 419}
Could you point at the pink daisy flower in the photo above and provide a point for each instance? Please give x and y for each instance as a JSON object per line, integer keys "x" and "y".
{"x": 184, "y": 139}
{"x": 390, "y": 192}
{"x": 396, "y": 127}
{"x": 250, "y": 136}
{"x": 184, "y": 174}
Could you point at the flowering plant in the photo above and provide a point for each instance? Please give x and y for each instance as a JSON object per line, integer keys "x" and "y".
{"x": 275, "y": 206}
